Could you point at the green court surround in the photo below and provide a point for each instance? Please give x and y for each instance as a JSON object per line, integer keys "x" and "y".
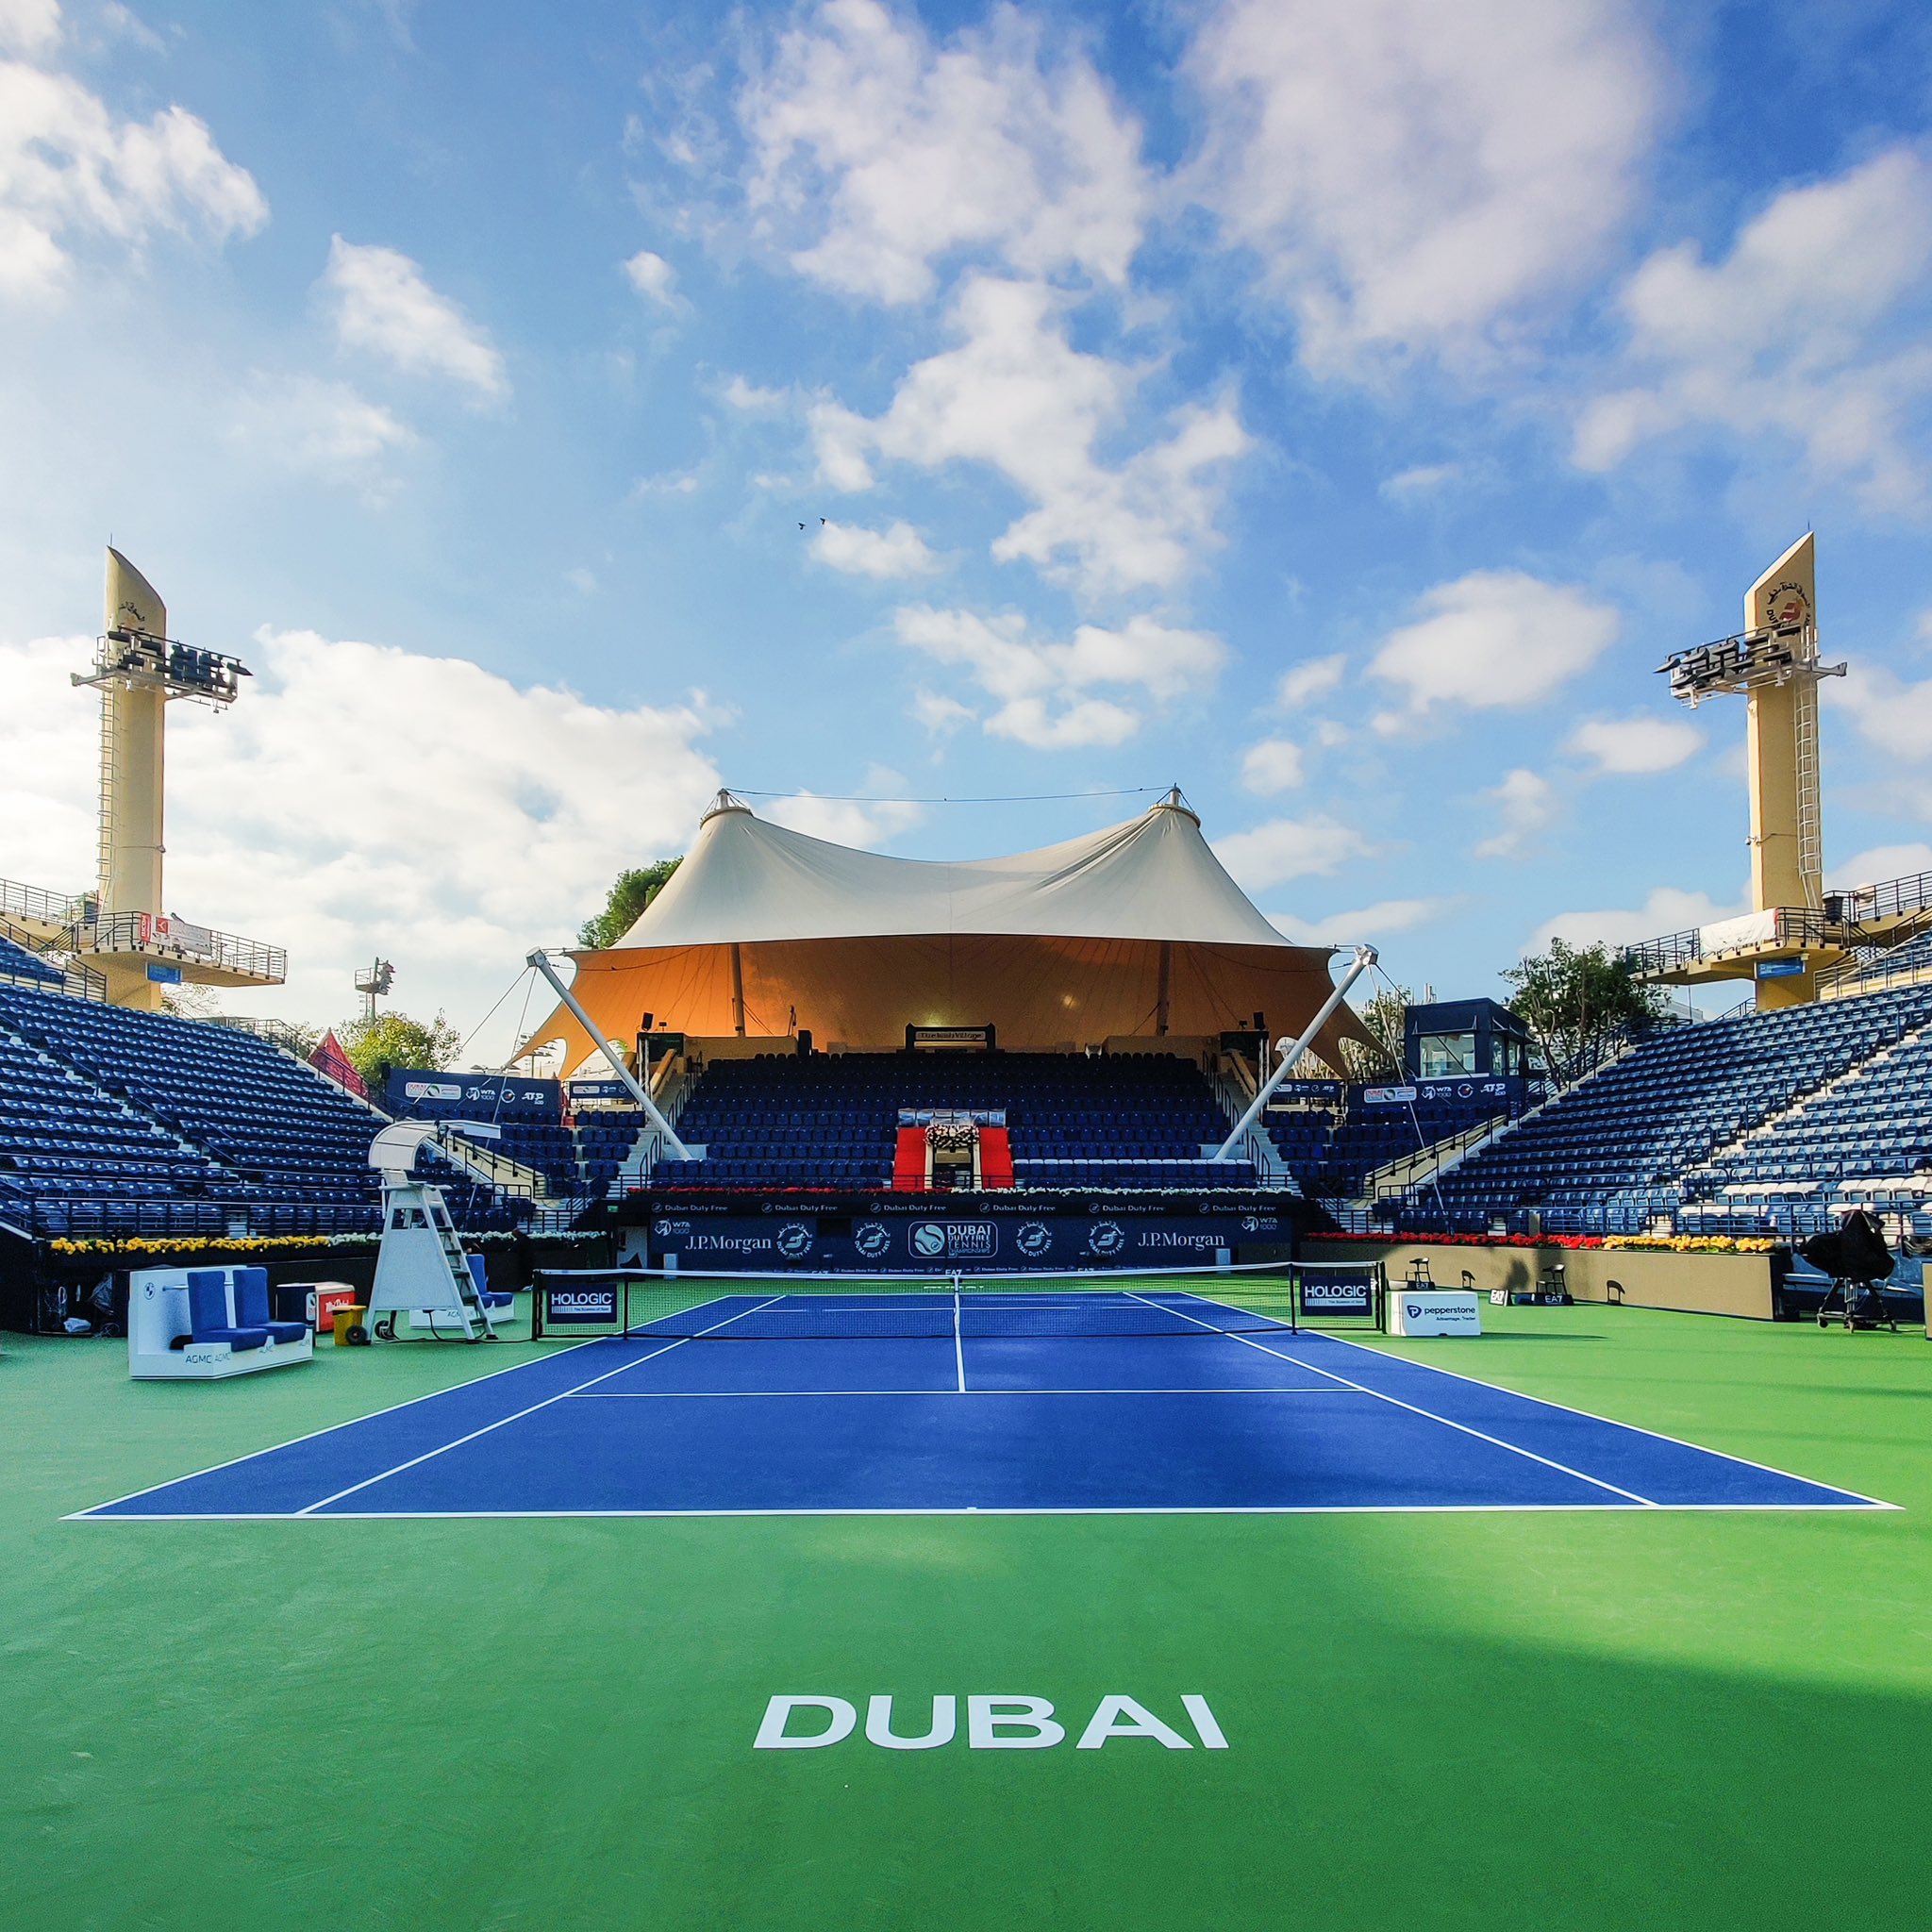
{"x": 1616, "y": 1720}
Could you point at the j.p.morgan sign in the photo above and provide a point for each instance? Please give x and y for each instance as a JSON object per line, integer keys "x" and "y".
{"x": 991, "y": 1724}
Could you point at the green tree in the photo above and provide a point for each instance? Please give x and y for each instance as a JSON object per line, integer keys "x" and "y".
{"x": 1379, "y": 1056}
{"x": 634, "y": 887}
{"x": 1577, "y": 1003}
{"x": 394, "y": 1040}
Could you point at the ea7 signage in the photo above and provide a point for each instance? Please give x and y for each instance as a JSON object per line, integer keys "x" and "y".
{"x": 993, "y": 1724}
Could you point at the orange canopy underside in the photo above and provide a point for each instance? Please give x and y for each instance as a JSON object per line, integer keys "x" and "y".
{"x": 1041, "y": 993}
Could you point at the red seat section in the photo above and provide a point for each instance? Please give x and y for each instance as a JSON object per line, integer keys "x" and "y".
{"x": 909, "y": 1162}
{"x": 995, "y": 1158}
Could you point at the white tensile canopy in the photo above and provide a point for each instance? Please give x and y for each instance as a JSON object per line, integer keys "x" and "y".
{"x": 1136, "y": 930}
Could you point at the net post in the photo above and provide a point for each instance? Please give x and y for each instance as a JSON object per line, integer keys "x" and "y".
{"x": 536, "y": 1304}
{"x": 1294, "y": 1296}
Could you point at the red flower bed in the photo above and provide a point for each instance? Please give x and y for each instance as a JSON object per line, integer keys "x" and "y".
{"x": 1471, "y": 1240}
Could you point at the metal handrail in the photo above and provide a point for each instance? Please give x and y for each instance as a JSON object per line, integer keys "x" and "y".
{"x": 138, "y": 932}
{"x": 30, "y": 902}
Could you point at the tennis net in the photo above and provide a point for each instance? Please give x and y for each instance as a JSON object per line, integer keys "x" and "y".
{"x": 719, "y": 1307}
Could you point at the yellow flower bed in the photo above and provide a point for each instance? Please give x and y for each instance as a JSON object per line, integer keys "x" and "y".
{"x": 192, "y": 1244}
{"x": 1692, "y": 1243}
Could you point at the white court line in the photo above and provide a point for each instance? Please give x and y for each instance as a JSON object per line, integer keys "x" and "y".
{"x": 391, "y": 1408}
{"x": 442, "y": 1449}
{"x": 1590, "y": 1415}
{"x": 995, "y": 1509}
{"x": 794, "y": 1394}
{"x": 1395, "y": 1402}
{"x": 959, "y": 1344}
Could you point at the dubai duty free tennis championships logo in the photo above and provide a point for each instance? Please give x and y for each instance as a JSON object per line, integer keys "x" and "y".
{"x": 1107, "y": 1237}
{"x": 794, "y": 1240}
{"x": 872, "y": 1240}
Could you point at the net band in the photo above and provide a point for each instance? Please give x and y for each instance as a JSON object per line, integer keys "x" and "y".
{"x": 741, "y": 1307}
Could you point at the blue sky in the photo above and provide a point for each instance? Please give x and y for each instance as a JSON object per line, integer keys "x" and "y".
{"x": 1337, "y": 409}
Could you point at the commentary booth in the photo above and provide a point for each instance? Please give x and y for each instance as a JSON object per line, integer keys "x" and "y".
{"x": 1131, "y": 941}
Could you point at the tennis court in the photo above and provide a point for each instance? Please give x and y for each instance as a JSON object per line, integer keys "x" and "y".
{"x": 882, "y": 1398}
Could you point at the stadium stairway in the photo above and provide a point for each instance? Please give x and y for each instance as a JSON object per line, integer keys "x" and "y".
{"x": 1865, "y": 1136}
{"x": 1636, "y": 1140}
{"x": 1130, "y": 1120}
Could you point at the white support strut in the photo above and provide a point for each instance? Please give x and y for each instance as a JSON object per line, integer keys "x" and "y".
{"x": 541, "y": 960}
{"x": 1292, "y": 1052}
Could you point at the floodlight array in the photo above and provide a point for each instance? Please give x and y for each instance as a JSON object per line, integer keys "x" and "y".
{"x": 1751, "y": 661}
{"x": 138, "y": 657}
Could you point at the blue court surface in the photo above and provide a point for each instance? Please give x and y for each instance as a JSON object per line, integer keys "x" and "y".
{"x": 1265, "y": 1420}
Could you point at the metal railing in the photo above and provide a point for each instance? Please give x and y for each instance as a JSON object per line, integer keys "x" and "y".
{"x": 176, "y": 939}
{"x": 50, "y": 909}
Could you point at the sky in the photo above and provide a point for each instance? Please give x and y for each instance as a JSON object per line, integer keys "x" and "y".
{"x": 1337, "y": 407}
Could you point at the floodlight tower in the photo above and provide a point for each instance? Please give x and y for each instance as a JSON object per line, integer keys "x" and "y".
{"x": 137, "y": 670}
{"x": 1774, "y": 662}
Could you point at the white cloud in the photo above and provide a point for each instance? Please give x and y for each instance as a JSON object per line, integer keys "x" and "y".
{"x": 665, "y": 483}
{"x": 654, "y": 278}
{"x": 1665, "y": 910}
{"x": 1016, "y": 395}
{"x": 1631, "y": 747}
{"x": 320, "y": 428}
{"x": 898, "y": 552}
{"x": 1423, "y": 480}
{"x": 1809, "y": 332}
{"x": 29, "y": 27}
{"x": 1886, "y": 710}
{"x": 940, "y": 714}
{"x": 1044, "y": 690}
{"x": 1281, "y": 849}
{"x": 1417, "y": 177}
{"x": 1273, "y": 765}
{"x": 360, "y": 795}
{"x": 1366, "y": 922}
{"x": 877, "y": 152}
{"x": 384, "y": 305}
{"x": 1526, "y": 804}
{"x": 1495, "y": 638}
{"x": 1882, "y": 862}
{"x": 850, "y": 821}
{"x": 70, "y": 169}
{"x": 750, "y": 400}
{"x": 1302, "y": 684}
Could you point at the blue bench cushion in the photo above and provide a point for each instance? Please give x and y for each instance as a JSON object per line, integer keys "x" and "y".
{"x": 251, "y": 1307}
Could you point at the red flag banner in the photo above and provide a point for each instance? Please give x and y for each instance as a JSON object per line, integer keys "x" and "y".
{"x": 330, "y": 1060}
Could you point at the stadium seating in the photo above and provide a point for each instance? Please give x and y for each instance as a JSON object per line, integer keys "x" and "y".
{"x": 113, "y": 1122}
{"x": 1331, "y": 1147}
{"x": 17, "y": 963}
{"x": 829, "y": 1120}
{"x": 1655, "y": 1129}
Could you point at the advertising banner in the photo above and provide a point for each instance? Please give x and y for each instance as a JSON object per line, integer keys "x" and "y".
{"x": 925, "y": 1241}
{"x": 423, "y": 1093}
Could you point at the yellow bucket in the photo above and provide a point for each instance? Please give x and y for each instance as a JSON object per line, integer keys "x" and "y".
{"x": 347, "y": 1322}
